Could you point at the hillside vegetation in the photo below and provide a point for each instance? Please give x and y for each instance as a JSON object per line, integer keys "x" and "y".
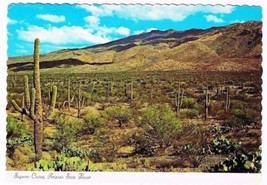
{"x": 235, "y": 47}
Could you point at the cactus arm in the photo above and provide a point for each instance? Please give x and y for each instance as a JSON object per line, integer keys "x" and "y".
{"x": 16, "y": 106}
{"x": 19, "y": 109}
{"x": 182, "y": 97}
{"x": 27, "y": 91}
{"x": 23, "y": 102}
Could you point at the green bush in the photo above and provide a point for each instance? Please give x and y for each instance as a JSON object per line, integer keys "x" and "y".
{"x": 143, "y": 144}
{"x": 92, "y": 154}
{"x": 165, "y": 125}
{"x": 119, "y": 112}
{"x": 189, "y": 103}
{"x": 189, "y": 113}
{"x": 93, "y": 120}
{"x": 240, "y": 163}
{"x": 68, "y": 129}
{"x": 222, "y": 145}
{"x": 16, "y": 128}
{"x": 243, "y": 118}
{"x": 17, "y": 134}
{"x": 194, "y": 154}
{"x": 62, "y": 163}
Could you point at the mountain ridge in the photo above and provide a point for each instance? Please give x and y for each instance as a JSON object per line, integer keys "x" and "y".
{"x": 235, "y": 47}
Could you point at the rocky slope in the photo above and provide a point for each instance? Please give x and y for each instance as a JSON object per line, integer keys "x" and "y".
{"x": 236, "y": 47}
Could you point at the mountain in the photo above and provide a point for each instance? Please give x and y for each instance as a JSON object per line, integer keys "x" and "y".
{"x": 235, "y": 47}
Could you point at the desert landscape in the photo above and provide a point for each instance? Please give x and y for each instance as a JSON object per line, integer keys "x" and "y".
{"x": 158, "y": 101}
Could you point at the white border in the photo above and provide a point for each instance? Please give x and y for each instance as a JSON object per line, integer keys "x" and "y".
{"x": 131, "y": 178}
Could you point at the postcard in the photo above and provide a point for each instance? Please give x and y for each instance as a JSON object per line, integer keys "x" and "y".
{"x": 133, "y": 93}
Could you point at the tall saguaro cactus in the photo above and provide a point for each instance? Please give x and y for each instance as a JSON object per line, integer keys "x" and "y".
{"x": 207, "y": 103}
{"x": 227, "y": 100}
{"x": 179, "y": 99}
{"x": 34, "y": 109}
{"x": 38, "y": 122}
{"x": 79, "y": 100}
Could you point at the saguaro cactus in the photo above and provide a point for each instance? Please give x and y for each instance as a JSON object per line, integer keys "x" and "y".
{"x": 128, "y": 91}
{"x": 227, "y": 100}
{"x": 70, "y": 100}
{"x": 79, "y": 100}
{"x": 132, "y": 91}
{"x": 179, "y": 99}
{"x": 34, "y": 109}
{"x": 53, "y": 98}
{"x": 207, "y": 103}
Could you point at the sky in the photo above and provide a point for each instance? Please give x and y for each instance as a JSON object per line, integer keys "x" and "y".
{"x": 80, "y": 25}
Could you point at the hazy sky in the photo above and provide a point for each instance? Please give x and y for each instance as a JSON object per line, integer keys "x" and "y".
{"x": 72, "y": 26}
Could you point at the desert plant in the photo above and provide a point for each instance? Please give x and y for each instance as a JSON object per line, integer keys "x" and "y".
{"x": 16, "y": 128}
{"x": 67, "y": 130}
{"x": 194, "y": 154}
{"x": 142, "y": 142}
{"x": 34, "y": 103}
{"x": 121, "y": 113}
{"x": 92, "y": 154}
{"x": 222, "y": 145}
{"x": 189, "y": 113}
{"x": 207, "y": 103}
{"x": 163, "y": 122}
{"x": 93, "y": 120}
{"x": 179, "y": 99}
{"x": 227, "y": 100}
{"x": 62, "y": 163}
{"x": 241, "y": 162}
{"x": 69, "y": 101}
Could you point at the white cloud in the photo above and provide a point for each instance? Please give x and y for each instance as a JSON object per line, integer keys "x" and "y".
{"x": 213, "y": 18}
{"x": 151, "y": 29}
{"x": 238, "y": 21}
{"x": 62, "y": 35}
{"x": 123, "y": 31}
{"x": 92, "y": 21}
{"x": 103, "y": 10}
{"x": 11, "y": 21}
{"x": 155, "y": 12}
{"x": 137, "y": 32}
{"x": 51, "y": 18}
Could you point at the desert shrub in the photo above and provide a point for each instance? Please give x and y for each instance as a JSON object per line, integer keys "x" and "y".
{"x": 220, "y": 129}
{"x": 243, "y": 118}
{"x": 165, "y": 126}
{"x": 222, "y": 145}
{"x": 68, "y": 129}
{"x": 189, "y": 113}
{"x": 189, "y": 103}
{"x": 62, "y": 163}
{"x": 120, "y": 113}
{"x": 17, "y": 134}
{"x": 193, "y": 144}
{"x": 142, "y": 142}
{"x": 92, "y": 154}
{"x": 237, "y": 104}
{"x": 241, "y": 162}
{"x": 93, "y": 120}
{"x": 193, "y": 154}
{"x": 16, "y": 128}
{"x": 22, "y": 156}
